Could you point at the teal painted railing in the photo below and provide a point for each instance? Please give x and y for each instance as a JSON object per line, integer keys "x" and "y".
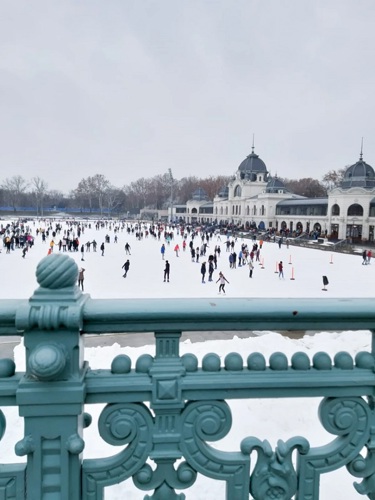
{"x": 165, "y": 407}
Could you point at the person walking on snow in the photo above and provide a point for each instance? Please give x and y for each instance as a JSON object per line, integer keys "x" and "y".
{"x": 166, "y": 271}
{"x": 281, "y": 270}
{"x": 102, "y": 249}
{"x": 125, "y": 267}
{"x": 127, "y": 249}
{"x": 177, "y": 249}
{"x": 222, "y": 280}
{"x": 162, "y": 251}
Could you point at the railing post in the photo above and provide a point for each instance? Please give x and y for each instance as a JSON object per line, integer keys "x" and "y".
{"x": 167, "y": 404}
{"x": 51, "y": 394}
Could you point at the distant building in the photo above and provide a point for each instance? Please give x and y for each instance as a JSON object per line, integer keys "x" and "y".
{"x": 254, "y": 198}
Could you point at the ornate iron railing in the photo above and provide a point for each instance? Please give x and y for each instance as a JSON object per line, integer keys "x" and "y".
{"x": 165, "y": 407}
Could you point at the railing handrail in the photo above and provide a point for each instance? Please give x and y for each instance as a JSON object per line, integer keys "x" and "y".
{"x": 210, "y": 314}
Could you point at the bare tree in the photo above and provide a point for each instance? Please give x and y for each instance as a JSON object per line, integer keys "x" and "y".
{"x": 159, "y": 191}
{"x": 84, "y": 194}
{"x": 99, "y": 185}
{"x": 311, "y": 188}
{"x": 114, "y": 198}
{"x": 39, "y": 190}
{"x": 14, "y": 187}
{"x": 212, "y": 185}
{"x": 333, "y": 178}
{"x": 185, "y": 188}
{"x": 141, "y": 189}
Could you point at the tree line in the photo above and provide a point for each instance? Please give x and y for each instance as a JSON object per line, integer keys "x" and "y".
{"x": 96, "y": 194}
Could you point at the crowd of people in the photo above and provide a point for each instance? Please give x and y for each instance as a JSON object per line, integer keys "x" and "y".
{"x": 175, "y": 241}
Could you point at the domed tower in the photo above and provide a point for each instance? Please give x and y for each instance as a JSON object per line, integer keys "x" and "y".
{"x": 199, "y": 195}
{"x": 361, "y": 174}
{"x": 253, "y": 168}
{"x": 223, "y": 192}
{"x": 275, "y": 185}
{"x": 351, "y": 208}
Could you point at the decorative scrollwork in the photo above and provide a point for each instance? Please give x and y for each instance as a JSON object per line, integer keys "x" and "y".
{"x": 343, "y": 416}
{"x": 119, "y": 424}
{"x": 211, "y": 421}
{"x": 348, "y": 418}
{"x": 274, "y": 476}
{"x": 165, "y": 479}
{"x": 364, "y": 467}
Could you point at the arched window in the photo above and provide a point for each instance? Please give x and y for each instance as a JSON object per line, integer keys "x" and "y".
{"x": 355, "y": 209}
{"x": 237, "y": 191}
{"x": 262, "y": 210}
{"x": 239, "y": 210}
{"x": 335, "y": 209}
{"x": 226, "y": 210}
{"x": 247, "y": 210}
{"x": 215, "y": 210}
{"x": 232, "y": 209}
{"x": 221, "y": 210}
{"x": 254, "y": 210}
{"x": 236, "y": 209}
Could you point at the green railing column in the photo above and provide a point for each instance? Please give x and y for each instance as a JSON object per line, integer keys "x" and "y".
{"x": 167, "y": 403}
{"x": 51, "y": 393}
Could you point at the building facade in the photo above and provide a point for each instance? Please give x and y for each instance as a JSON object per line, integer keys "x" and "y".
{"x": 254, "y": 198}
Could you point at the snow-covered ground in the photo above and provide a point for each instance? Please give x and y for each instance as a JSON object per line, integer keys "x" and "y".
{"x": 264, "y": 419}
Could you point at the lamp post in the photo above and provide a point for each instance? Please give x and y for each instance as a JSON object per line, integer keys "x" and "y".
{"x": 171, "y": 203}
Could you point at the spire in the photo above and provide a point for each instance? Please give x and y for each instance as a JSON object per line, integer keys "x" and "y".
{"x": 252, "y": 148}
{"x": 361, "y": 155}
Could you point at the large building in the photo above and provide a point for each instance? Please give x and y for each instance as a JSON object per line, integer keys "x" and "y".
{"x": 254, "y": 198}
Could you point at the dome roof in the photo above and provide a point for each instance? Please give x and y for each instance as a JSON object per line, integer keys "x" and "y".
{"x": 274, "y": 185}
{"x": 200, "y": 195}
{"x": 361, "y": 174}
{"x": 253, "y": 163}
{"x": 223, "y": 192}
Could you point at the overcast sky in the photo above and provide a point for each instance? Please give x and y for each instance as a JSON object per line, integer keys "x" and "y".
{"x": 133, "y": 88}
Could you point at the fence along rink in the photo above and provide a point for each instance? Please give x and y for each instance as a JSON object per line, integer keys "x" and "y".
{"x": 166, "y": 407}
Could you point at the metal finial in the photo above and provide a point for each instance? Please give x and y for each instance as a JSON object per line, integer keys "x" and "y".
{"x": 252, "y": 148}
{"x": 361, "y": 155}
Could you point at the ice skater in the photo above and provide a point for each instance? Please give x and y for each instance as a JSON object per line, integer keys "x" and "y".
{"x": 166, "y": 271}
{"x": 251, "y": 268}
{"x": 222, "y": 280}
{"x": 203, "y": 271}
{"x": 81, "y": 277}
{"x": 125, "y": 267}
